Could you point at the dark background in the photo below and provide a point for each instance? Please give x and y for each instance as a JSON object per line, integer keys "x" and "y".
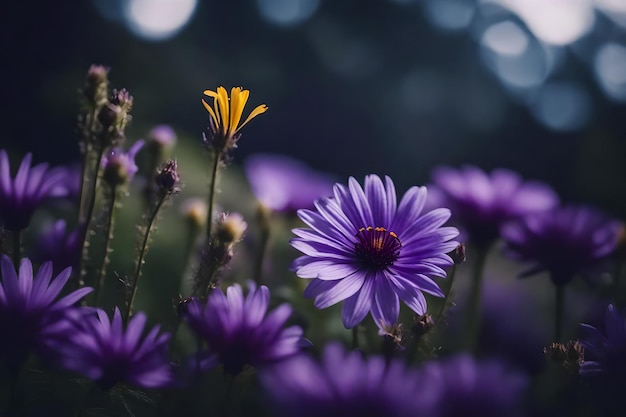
{"x": 333, "y": 83}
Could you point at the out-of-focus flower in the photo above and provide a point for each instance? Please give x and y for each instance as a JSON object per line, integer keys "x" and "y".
{"x": 31, "y": 317}
{"x": 564, "y": 242}
{"x": 470, "y": 388}
{"x": 161, "y": 137}
{"x": 102, "y": 350}
{"x": 22, "y": 195}
{"x": 482, "y": 202}
{"x": 240, "y": 331}
{"x": 226, "y": 114}
{"x": 605, "y": 354}
{"x": 230, "y": 228}
{"x": 119, "y": 167}
{"x": 347, "y": 384}
{"x": 194, "y": 211}
{"x": 59, "y": 245}
{"x": 285, "y": 184}
{"x": 365, "y": 248}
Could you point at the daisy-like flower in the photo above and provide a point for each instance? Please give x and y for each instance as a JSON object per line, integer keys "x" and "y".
{"x": 605, "y": 354}
{"x": 347, "y": 384}
{"x": 365, "y": 248}
{"x": 482, "y": 202}
{"x": 467, "y": 387}
{"x": 107, "y": 353}
{"x": 226, "y": 114}
{"x": 32, "y": 318}
{"x": 22, "y": 195}
{"x": 118, "y": 166}
{"x": 564, "y": 242}
{"x": 240, "y": 331}
{"x": 285, "y": 184}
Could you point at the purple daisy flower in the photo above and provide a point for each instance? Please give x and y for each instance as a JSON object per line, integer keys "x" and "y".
{"x": 365, "y": 248}
{"x": 102, "y": 350}
{"x": 470, "y": 388}
{"x": 118, "y": 166}
{"x": 285, "y": 184}
{"x": 347, "y": 384}
{"x": 239, "y": 330}
{"x": 59, "y": 244}
{"x": 605, "y": 354}
{"x": 31, "y": 316}
{"x": 21, "y": 196}
{"x": 564, "y": 241}
{"x": 482, "y": 202}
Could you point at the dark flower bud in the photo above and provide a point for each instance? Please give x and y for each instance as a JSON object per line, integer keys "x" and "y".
{"x": 570, "y": 356}
{"x": 167, "y": 178}
{"x": 96, "y": 85}
{"x": 109, "y": 115}
{"x": 458, "y": 254}
{"x": 123, "y": 99}
{"x": 422, "y": 324}
{"x": 393, "y": 338}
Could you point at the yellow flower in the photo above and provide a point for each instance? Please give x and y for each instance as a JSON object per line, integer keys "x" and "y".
{"x": 226, "y": 113}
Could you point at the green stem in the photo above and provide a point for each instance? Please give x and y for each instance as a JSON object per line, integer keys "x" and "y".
{"x": 88, "y": 132}
{"x": 355, "y": 337}
{"x": 446, "y": 299}
{"x": 472, "y": 328}
{"x": 212, "y": 191}
{"x": 264, "y": 237}
{"x": 559, "y": 306}
{"x": 142, "y": 253}
{"x": 17, "y": 247}
{"x": 91, "y": 202}
{"x": 107, "y": 243}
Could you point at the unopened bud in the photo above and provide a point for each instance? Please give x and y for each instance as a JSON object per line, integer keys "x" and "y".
{"x": 422, "y": 324}
{"x": 570, "y": 356}
{"x": 167, "y": 178}
{"x": 458, "y": 254}
{"x": 230, "y": 228}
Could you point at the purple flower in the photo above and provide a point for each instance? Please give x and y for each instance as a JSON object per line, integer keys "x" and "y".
{"x": 347, "y": 384}
{"x": 162, "y": 136}
{"x": 564, "y": 241}
{"x": 119, "y": 166}
{"x": 285, "y": 184}
{"x": 368, "y": 250}
{"x": 21, "y": 196}
{"x": 470, "y": 388}
{"x": 102, "y": 350}
{"x": 31, "y": 317}
{"x": 59, "y": 244}
{"x": 240, "y": 332}
{"x": 605, "y": 354}
{"x": 481, "y": 203}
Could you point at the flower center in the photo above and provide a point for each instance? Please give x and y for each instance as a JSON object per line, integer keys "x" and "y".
{"x": 377, "y": 247}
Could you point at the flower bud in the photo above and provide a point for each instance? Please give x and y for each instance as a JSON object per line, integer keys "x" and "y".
{"x": 167, "y": 178}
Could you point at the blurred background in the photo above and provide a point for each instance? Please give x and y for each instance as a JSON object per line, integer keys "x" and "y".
{"x": 391, "y": 87}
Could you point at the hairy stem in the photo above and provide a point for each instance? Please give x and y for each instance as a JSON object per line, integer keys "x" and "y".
{"x": 107, "y": 243}
{"x": 143, "y": 249}
{"x": 212, "y": 191}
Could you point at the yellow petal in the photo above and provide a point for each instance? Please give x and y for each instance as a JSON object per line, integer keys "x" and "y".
{"x": 235, "y": 94}
{"x": 211, "y": 112}
{"x": 262, "y": 108}
{"x": 237, "y": 109}
{"x": 210, "y": 93}
{"x": 222, "y": 101}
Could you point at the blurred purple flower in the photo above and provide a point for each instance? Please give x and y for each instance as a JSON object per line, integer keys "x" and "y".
{"x": 605, "y": 354}
{"x": 564, "y": 242}
{"x": 59, "y": 244}
{"x": 22, "y": 195}
{"x": 366, "y": 249}
{"x": 482, "y": 202}
{"x": 347, "y": 384}
{"x": 119, "y": 166}
{"x": 239, "y": 330}
{"x": 162, "y": 136}
{"x": 470, "y": 388}
{"x": 102, "y": 350}
{"x": 285, "y": 184}
{"x": 31, "y": 317}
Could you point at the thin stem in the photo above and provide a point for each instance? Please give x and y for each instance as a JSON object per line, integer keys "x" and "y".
{"x": 355, "y": 337}
{"x": 87, "y": 137}
{"x": 212, "y": 191}
{"x": 264, "y": 237}
{"x": 446, "y": 299}
{"x": 142, "y": 253}
{"x": 472, "y": 328}
{"x": 17, "y": 247}
{"x": 91, "y": 201}
{"x": 107, "y": 243}
{"x": 559, "y": 305}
